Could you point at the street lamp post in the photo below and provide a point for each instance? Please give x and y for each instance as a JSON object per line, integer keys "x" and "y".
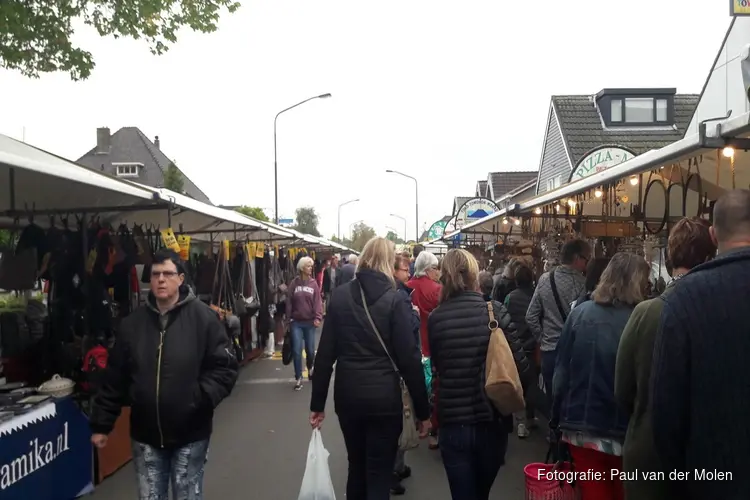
{"x": 338, "y": 230}
{"x": 275, "y": 164}
{"x": 416, "y": 202}
{"x": 403, "y": 219}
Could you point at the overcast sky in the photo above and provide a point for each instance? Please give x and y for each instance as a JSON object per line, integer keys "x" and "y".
{"x": 444, "y": 91}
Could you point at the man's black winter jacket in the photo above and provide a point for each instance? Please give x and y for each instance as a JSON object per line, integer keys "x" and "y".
{"x": 459, "y": 336}
{"x": 172, "y": 370}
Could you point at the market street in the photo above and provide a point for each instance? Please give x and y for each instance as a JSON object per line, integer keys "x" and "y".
{"x": 260, "y": 441}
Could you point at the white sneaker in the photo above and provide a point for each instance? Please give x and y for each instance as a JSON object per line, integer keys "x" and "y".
{"x": 523, "y": 432}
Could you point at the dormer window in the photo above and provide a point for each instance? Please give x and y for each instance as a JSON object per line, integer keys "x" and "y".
{"x": 129, "y": 169}
{"x": 636, "y": 107}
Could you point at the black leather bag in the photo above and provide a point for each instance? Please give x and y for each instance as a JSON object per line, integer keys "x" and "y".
{"x": 286, "y": 350}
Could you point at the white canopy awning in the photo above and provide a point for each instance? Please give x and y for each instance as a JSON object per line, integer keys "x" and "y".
{"x": 673, "y": 154}
{"x": 32, "y": 180}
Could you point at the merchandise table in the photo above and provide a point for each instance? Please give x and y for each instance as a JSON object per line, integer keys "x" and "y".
{"x": 46, "y": 454}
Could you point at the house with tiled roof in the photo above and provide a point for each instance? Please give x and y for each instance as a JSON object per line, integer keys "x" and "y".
{"x": 586, "y": 134}
{"x": 481, "y": 189}
{"x": 501, "y": 183}
{"x": 129, "y": 154}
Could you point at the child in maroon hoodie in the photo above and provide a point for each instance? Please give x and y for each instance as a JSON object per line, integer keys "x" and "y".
{"x": 304, "y": 309}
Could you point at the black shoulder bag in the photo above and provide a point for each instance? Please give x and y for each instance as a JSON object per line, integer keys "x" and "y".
{"x": 553, "y": 285}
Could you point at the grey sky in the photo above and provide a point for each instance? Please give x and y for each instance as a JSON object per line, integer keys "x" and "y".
{"x": 444, "y": 91}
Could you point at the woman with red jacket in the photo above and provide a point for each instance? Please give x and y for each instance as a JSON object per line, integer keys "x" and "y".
{"x": 425, "y": 296}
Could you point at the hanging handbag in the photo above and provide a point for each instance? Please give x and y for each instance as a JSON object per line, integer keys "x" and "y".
{"x": 286, "y": 349}
{"x": 18, "y": 271}
{"x": 409, "y": 438}
{"x": 502, "y": 383}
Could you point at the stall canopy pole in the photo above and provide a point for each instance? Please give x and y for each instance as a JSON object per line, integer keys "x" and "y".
{"x": 12, "y": 187}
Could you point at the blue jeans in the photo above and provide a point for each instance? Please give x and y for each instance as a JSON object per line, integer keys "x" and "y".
{"x": 472, "y": 456}
{"x": 181, "y": 467}
{"x": 303, "y": 332}
{"x": 549, "y": 358}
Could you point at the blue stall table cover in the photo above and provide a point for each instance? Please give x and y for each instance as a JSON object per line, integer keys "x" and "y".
{"x": 46, "y": 454}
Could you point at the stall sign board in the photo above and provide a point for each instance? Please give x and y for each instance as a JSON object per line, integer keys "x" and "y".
{"x": 437, "y": 230}
{"x": 739, "y": 7}
{"x": 599, "y": 160}
{"x": 473, "y": 210}
{"x": 50, "y": 458}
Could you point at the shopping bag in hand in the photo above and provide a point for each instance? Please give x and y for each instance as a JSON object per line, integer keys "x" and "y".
{"x": 316, "y": 484}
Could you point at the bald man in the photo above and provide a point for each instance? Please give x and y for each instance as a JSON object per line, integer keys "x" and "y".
{"x": 700, "y": 380}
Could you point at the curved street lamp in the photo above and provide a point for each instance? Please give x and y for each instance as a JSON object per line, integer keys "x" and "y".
{"x": 275, "y": 164}
{"x": 416, "y": 202}
{"x": 403, "y": 219}
{"x": 338, "y": 230}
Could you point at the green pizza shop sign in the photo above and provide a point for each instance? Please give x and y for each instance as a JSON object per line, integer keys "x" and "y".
{"x": 599, "y": 160}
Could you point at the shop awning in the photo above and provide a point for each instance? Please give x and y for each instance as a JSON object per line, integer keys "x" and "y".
{"x": 691, "y": 154}
{"x": 191, "y": 216}
{"x": 34, "y": 180}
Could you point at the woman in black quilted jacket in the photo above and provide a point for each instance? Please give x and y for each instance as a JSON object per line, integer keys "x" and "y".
{"x": 474, "y": 436}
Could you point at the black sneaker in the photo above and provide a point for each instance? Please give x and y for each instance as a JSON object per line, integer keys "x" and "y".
{"x": 405, "y": 473}
{"x": 396, "y": 487}
{"x": 298, "y": 385}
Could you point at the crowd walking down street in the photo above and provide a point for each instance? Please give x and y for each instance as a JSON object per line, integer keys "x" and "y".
{"x": 627, "y": 372}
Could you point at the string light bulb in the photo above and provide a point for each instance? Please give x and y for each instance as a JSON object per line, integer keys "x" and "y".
{"x": 728, "y": 152}
{"x": 517, "y": 222}
{"x": 557, "y": 207}
{"x": 633, "y": 180}
{"x": 572, "y": 202}
{"x": 505, "y": 221}
{"x": 538, "y": 211}
{"x": 598, "y": 193}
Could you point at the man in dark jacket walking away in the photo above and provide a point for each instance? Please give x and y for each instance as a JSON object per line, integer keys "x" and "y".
{"x": 517, "y": 302}
{"x": 346, "y": 273}
{"x": 700, "y": 366}
{"x": 173, "y": 364}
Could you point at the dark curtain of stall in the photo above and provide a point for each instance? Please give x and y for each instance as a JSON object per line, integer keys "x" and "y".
{"x": 263, "y": 321}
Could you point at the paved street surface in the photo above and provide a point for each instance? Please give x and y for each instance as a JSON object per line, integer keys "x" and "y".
{"x": 260, "y": 440}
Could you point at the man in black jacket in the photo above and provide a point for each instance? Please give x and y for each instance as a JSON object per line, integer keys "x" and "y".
{"x": 173, "y": 364}
{"x": 700, "y": 366}
{"x": 346, "y": 273}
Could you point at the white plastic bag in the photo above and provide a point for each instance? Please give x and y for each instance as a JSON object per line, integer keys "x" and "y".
{"x": 316, "y": 484}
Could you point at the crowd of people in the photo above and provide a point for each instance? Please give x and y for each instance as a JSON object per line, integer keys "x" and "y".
{"x": 652, "y": 386}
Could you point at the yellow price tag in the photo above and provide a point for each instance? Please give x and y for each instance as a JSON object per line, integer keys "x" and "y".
{"x": 292, "y": 253}
{"x": 312, "y": 255}
{"x": 259, "y": 251}
{"x": 91, "y": 261}
{"x": 225, "y": 243}
{"x": 169, "y": 240}
{"x": 184, "y": 242}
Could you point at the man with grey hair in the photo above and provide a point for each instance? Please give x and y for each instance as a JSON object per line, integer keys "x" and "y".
{"x": 329, "y": 277}
{"x": 550, "y": 304}
{"x": 346, "y": 273}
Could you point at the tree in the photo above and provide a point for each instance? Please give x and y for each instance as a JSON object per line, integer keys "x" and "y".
{"x": 173, "y": 179}
{"x": 344, "y": 241}
{"x": 394, "y": 238}
{"x": 6, "y": 240}
{"x": 307, "y": 221}
{"x": 36, "y": 35}
{"x": 254, "y": 212}
{"x": 361, "y": 234}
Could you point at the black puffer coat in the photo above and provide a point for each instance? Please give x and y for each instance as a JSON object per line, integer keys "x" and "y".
{"x": 459, "y": 337}
{"x": 366, "y": 383}
{"x": 517, "y": 303}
